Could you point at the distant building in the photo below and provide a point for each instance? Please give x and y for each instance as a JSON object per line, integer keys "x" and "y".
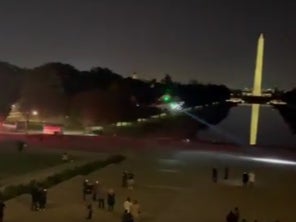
{"x": 15, "y": 115}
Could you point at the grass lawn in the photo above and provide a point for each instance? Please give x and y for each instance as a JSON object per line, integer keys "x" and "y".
{"x": 13, "y": 162}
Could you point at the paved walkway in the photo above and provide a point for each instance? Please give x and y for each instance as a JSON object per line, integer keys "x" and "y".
{"x": 173, "y": 187}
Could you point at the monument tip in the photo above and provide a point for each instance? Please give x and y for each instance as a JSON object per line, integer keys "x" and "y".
{"x": 261, "y": 36}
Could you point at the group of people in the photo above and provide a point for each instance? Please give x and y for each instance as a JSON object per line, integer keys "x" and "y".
{"x": 94, "y": 192}
{"x": 247, "y": 178}
{"x": 39, "y": 197}
{"x": 131, "y": 210}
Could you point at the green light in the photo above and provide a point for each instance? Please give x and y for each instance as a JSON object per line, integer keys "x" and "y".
{"x": 166, "y": 98}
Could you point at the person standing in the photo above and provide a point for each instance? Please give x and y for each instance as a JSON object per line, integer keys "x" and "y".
{"x": 215, "y": 175}
{"x": 252, "y": 178}
{"x": 131, "y": 181}
{"x": 95, "y": 190}
{"x": 84, "y": 188}
{"x": 43, "y": 199}
{"x": 236, "y": 214}
{"x": 127, "y": 205}
{"x": 135, "y": 210}
{"x": 101, "y": 197}
{"x": 89, "y": 211}
{"x": 127, "y": 217}
{"x": 34, "y": 195}
{"x": 230, "y": 217}
{"x": 111, "y": 199}
{"x": 245, "y": 178}
{"x": 2, "y": 206}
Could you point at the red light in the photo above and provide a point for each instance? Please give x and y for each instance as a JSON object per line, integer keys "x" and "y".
{"x": 52, "y": 130}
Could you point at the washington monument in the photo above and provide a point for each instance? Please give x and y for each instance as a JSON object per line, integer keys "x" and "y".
{"x": 257, "y": 90}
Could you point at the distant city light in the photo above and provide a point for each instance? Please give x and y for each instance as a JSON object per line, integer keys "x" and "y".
{"x": 34, "y": 112}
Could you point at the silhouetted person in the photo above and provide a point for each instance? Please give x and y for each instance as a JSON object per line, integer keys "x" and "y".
{"x": 245, "y": 178}
{"x": 21, "y": 146}
{"x": 89, "y": 211}
{"x": 2, "y": 206}
{"x": 35, "y": 197}
{"x": 230, "y": 217}
{"x": 95, "y": 190}
{"x": 236, "y": 214}
{"x": 84, "y": 187}
{"x": 226, "y": 173}
{"x": 87, "y": 188}
{"x": 214, "y": 175}
{"x": 43, "y": 199}
{"x": 111, "y": 200}
{"x": 101, "y": 197}
{"x": 127, "y": 217}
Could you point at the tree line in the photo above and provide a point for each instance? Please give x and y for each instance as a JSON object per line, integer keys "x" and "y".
{"x": 98, "y": 96}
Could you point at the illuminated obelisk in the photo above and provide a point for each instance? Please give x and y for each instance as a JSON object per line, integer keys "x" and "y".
{"x": 257, "y": 90}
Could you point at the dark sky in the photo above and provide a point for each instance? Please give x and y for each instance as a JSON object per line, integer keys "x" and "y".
{"x": 207, "y": 40}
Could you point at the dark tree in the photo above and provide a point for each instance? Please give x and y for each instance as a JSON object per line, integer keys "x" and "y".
{"x": 167, "y": 79}
{"x": 11, "y": 78}
{"x": 290, "y": 96}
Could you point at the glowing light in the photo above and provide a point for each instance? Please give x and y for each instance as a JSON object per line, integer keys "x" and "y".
{"x": 271, "y": 160}
{"x": 34, "y": 112}
{"x": 259, "y": 67}
{"x": 257, "y": 91}
{"x": 176, "y": 106}
{"x": 166, "y": 98}
{"x": 48, "y": 129}
{"x": 254, "y": 124}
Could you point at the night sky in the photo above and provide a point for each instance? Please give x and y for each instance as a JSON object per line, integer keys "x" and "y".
{"x": 207, "y": 40}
